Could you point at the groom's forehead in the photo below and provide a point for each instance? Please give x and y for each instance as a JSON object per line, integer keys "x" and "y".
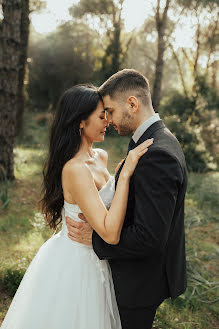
{"x": 108, "y": 103}
{"x": 109, "y": 109}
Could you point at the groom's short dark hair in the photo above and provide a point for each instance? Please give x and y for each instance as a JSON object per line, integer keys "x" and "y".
{"x": 126, "y": 80}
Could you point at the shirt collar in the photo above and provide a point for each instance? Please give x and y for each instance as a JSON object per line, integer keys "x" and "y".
{"x": 144, "y": 126}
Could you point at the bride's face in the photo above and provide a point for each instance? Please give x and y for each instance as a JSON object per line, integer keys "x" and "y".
{"x": 94, "y": 128}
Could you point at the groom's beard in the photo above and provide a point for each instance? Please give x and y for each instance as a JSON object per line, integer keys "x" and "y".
{"x": 125, "y": 125}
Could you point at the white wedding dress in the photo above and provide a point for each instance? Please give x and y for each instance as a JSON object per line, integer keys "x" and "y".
{"x": 66, "y": 286}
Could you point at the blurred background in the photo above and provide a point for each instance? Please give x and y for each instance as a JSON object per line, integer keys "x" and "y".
{"x": 48, "y": 46}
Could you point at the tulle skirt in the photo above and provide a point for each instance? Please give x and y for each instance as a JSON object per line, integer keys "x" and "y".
{"x": 66, "y": 286}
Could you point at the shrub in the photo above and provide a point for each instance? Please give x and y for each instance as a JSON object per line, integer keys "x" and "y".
{"x": 12, "y": 279}
{"x": 192, "y": 118}
{"x": 196, "y": 158}
{"x": 44, "y": 119}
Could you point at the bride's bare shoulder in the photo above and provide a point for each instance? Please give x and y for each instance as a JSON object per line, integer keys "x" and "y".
{"x": 77, "y": 181}
{"x": 75, "y": 167}
{"x": 103, "y": 155}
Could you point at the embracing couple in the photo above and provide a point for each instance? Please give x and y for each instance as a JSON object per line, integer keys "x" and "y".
{"x": 121, "y": 249}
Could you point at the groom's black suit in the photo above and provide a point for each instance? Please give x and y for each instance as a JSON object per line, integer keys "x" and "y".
{"x": 148, "y": 264}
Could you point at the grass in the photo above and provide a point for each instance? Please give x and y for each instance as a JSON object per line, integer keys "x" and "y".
{"x": 22, "y": 231}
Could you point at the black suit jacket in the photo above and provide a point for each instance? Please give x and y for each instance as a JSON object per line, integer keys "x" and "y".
{"x": 148, "y": 264}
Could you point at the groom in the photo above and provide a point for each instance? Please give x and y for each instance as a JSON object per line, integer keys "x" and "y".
{"x": 148, "y": 264}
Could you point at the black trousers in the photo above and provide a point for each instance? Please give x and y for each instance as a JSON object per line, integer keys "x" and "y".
{"x": 137, "y": 318}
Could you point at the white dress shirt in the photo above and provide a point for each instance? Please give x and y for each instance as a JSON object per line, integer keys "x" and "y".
{"x": 144, "y": 126}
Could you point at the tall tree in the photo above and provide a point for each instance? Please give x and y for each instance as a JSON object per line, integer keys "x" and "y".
{"x": 144, "y": 49}
{"x": 180, "y": 69}
{"x": 59, "y": 60}
{"x": 24, "y": 30}
{"x": 161, "y": 21}
{"x": 211, "y": 34}
{"x": 109, "y": 12}
{"x": 205, "y": 39}
{"x": 9, "y": 80}
{"x": 28, "y": 6}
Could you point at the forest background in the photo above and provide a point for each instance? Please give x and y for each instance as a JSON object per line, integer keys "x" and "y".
{"x": 89, "y": 46}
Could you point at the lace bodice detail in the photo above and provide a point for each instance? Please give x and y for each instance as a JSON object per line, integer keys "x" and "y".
{"x": 72, "y": 210}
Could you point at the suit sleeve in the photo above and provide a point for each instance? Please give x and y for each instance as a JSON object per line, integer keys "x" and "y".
{"x": 157, "y": 179}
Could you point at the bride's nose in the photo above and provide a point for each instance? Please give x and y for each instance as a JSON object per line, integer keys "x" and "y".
{"x": 106, "y": 120}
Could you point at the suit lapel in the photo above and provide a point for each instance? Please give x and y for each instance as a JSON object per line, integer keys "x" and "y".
{"x": 150, "y": 131}
{"x": 146, "y": 135}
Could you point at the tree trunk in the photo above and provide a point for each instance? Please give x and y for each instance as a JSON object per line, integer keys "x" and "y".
{"x": 9, "y": 76}
{"x": 158, "y": 72}
{"x": 23, "y": 58}
{"x": 111, "y": 61}
{"x": 179, "y": 69}
{"x": 214, "y": 74}
{"x": 197, "y": 54}
{"x": 116, "y": 48}
{"x": 160, "y": 24}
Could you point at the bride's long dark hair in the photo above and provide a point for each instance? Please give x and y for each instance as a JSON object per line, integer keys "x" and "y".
{"x": 75, "y": 105}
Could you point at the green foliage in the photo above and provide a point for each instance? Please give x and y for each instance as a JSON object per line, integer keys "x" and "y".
{"x": 203, "y": 194}
{"x": 178, "y": 104}
{"x": 110, "y": 12}
{"x": 12, "y": 279}
{"x": 193, "y": 107}
{"x": 201, "y": 217}
{"x": 59, "y": 61}
{"x": 208, "y": 193}
{"x": 196, "y": 3}
{"x": 190, "y": 310}
{"x": 4, "y": 197}
{"x": 196, "y": 159}
{"x": 23, "y": 231}
{"x": 95, "y": 7}
{"x": 208, "y": 95}
{"x": 187, "y": 117}
{"x": 37, "y": 5}
{"x": 36, "y": 128}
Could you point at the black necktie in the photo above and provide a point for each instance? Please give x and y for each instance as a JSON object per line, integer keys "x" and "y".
{"x": 131, "y": 145}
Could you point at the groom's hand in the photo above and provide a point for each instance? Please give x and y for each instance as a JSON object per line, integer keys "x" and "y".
{"x": 78, "y": 231}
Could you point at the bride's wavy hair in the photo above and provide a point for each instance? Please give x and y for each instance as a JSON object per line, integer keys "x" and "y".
{"x": 75, "y": 105}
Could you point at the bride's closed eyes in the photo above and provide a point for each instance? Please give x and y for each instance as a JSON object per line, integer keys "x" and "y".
{"x": 103, "y": 116}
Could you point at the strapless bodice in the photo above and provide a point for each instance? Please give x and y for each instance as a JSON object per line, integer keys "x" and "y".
{"x": 72, "y": 210}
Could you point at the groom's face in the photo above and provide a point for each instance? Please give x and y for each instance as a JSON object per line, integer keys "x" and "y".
{"x": 118, "y": 115}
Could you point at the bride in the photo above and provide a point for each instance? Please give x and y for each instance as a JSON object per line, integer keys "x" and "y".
{"x": 66, "y": 286}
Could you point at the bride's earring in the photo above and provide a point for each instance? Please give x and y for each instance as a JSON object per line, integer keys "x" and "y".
{"x": 80, "y": 131}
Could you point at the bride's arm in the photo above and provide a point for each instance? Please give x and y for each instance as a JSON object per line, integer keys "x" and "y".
{"x": 107, "y": 224}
